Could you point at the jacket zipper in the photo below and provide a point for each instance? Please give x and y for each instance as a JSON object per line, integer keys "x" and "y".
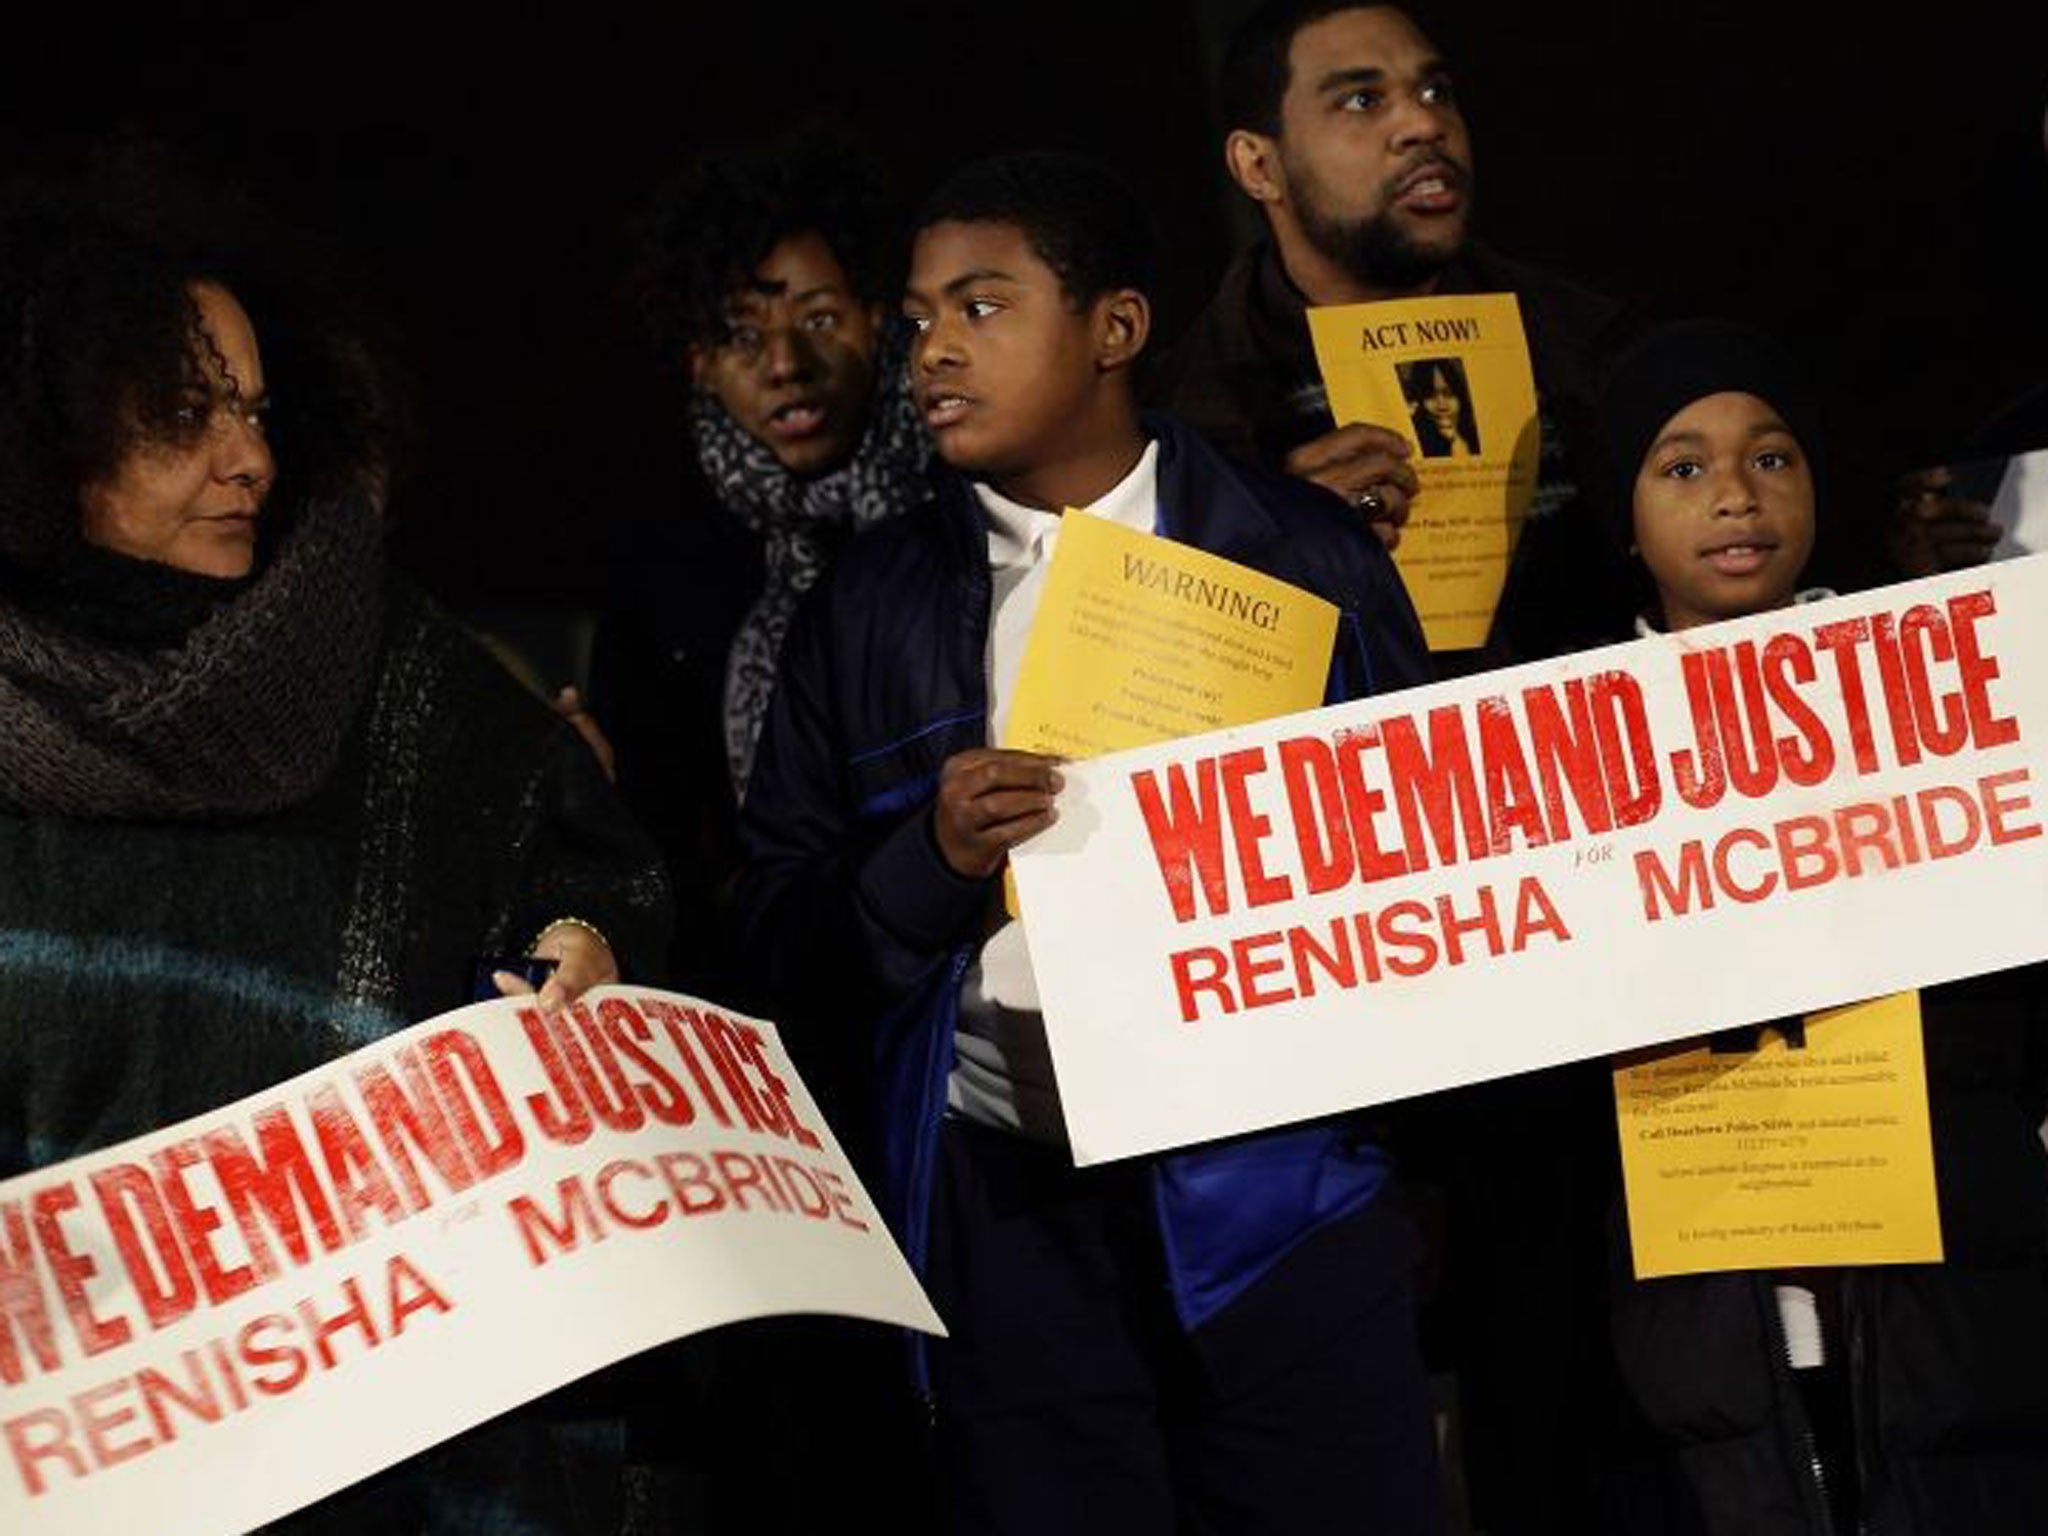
{"x": 1806, "y": 1447}
{"x": 919, "y": 1206}
{"x": 1852, "y": 1317}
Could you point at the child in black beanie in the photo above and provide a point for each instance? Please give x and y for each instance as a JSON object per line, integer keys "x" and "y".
{"x": 1887, "y": 1398}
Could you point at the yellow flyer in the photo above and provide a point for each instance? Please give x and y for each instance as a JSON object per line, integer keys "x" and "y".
{"x": 1138, "y": 639}
{"x": 1452, "y": 374}
{"x": 1787, "y": 1156}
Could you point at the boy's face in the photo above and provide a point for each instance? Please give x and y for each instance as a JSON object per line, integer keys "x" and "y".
{"x": 1724, "y": 511}
{"x": 1005, "y": 366}
{"x": 796, "y": 369}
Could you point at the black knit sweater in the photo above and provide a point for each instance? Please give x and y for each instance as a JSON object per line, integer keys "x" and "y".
{"x": 150, "y": 971}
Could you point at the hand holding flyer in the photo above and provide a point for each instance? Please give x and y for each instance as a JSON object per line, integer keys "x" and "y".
{"x": 1139, "y": 639}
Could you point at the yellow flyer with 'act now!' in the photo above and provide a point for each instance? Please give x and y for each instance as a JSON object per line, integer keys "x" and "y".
{"x": 1787, "y": 1156}
{"x": 1452, "y": 375}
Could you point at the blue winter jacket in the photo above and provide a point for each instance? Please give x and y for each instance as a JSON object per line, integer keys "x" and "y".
{"x": 855, "y": 920}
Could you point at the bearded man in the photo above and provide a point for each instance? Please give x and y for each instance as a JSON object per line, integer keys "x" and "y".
{"x": 1344, "y": 126}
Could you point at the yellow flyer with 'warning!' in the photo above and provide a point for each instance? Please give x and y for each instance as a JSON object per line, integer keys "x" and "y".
{"x": 1452, "y": 374}
{"x": 1787, "y": 1156}
{"x": 1138, "y": 639}
{"x": 1143, "y": 640}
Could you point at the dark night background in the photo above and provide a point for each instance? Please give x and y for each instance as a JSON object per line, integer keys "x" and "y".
{"x": 1874, "y": 189}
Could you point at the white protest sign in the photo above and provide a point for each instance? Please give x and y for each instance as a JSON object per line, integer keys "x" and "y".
{"x": 1554, "y": 861}
{"x": 212, "y": 1325}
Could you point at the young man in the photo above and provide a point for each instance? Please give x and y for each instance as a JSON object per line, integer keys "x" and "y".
{"x": 1218, "y": 1339}
{"x": 1343, "y": 126}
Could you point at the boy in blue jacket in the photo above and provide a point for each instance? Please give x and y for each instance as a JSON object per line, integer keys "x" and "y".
{"x": 1219, "y": 1339}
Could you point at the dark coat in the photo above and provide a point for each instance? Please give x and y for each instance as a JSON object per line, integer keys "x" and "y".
{"x": 680, "y": 587}
{"x": 862, "y": 930}
{"x": 152, "y": 971}
{"x": 1947, "y": 1364}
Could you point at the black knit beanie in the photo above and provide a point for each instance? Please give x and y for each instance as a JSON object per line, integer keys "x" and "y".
{"x": 1666, "y": 371}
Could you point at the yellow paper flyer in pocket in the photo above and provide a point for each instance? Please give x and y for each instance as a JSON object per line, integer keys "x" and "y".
{"x": 1786, "y": 1156}
{"x": 1138, "y": 639}
{"x": 1452, "y": 375}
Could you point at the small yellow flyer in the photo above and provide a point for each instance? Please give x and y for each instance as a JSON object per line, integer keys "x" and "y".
{"x": 1452, "y": 374}
{"x": 1138, "y": 639}
{"x": 1787, "y": 1156}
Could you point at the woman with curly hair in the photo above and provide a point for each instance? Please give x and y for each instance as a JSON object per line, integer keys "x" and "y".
{"x": 765, "y": 277}
{"x": 260, "y": 802}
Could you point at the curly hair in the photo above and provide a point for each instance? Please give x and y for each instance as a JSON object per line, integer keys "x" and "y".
{"x": 102, "y": 351}
{"x": 711, "y": 226}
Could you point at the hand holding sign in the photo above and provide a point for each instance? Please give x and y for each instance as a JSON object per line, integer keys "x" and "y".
{"x": 207, "y": 1327}
{"x": 990, "y": 800}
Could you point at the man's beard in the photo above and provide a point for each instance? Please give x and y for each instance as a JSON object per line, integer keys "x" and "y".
{"x": 1376, "y": 251}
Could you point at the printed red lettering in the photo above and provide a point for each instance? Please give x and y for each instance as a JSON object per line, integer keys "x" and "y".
{"x": 1806, "y": 852}
{"x": 1212, "y": 978}
{"x": 359, "y": 1182}
{"x": 1435, "y": 787}
{"x": 1248, "y": 828}
{"x": 197, "y": 1223}
{"x": 1999, "y": 807}
{"x": 469, "y": 1092}
{"x": 1977, "y": 670}
{"x": 1807, "y": 756}
{"x": 71, "y": 1271}
{"x": 542, "y": 1233}
{"x": 1315, "y": 802}
{"x": 40, "y": 1435}
{"x": 1251, "y": 967}
{"x": 1742, "y": 837}
{"x": 1660, "y": 895}
{"x": 23, "y": 1306}
{"x": 267, "y": 1190}
{"x": 609, "y": 1175}
{"x": 1186, "y": 832}
{"x": 1942, "y": 724}
{"x": 163, "y": 1281}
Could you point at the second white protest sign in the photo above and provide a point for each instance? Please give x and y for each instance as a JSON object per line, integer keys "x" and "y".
{"x": 1545, "y": 863}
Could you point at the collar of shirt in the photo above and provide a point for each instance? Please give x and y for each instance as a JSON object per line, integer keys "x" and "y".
{"x": 1021, "y": 535}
